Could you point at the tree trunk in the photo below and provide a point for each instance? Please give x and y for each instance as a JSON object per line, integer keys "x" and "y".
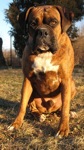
{"x": 2, "y": 59}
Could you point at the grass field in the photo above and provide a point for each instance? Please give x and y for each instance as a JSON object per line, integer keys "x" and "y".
{"x": 34, "y": 135}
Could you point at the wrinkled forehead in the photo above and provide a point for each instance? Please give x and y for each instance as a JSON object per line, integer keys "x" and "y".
{"x": 45, "y": 12}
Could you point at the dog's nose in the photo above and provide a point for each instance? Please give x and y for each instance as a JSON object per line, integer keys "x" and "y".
{"x": 42, "y": 32}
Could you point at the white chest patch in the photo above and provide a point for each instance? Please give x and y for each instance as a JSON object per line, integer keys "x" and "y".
{"x": 43, "y": 63}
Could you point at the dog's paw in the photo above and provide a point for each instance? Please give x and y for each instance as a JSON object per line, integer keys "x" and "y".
{"x": 15, "y": 125}
{"x": 10, "y": 128}
{"x": 63, "y": 130}
{"x": 62, "y": 133}
{"x": 42, "y": 118}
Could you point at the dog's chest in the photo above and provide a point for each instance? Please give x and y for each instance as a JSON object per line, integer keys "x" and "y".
{"x": 45, "y": 74}
{"x": 42, "y": 63}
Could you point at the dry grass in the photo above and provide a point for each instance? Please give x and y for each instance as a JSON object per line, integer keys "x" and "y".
{"x": 34, "y": 135}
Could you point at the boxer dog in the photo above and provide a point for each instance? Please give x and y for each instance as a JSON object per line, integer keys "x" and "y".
{"x": 48, "y": 62}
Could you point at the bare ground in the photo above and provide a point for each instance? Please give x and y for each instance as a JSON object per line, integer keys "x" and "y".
{"x": 34, "y": 135}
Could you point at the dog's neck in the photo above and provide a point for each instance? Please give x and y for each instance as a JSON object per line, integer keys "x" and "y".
{"x": 42, "y": 63}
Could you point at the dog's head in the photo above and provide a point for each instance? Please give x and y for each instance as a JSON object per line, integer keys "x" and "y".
{"x": 44, "y": 25}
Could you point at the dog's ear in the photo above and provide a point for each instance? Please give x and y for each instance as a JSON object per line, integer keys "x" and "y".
{"x": 66, "y": 18}
{"x": 23, "y": 16}
{"x": 28, "y": 12}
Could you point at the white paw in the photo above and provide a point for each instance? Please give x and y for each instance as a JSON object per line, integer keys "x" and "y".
{"x": 42, "y": 118}
{"x": 58, "y": 135}
{"x": 73, "y": 114}
{"x": 10, "y": 128}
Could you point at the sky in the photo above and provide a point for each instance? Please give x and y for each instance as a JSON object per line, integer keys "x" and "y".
{"x": 5, "y": 27}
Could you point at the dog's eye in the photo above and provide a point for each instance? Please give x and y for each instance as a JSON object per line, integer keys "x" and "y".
{"x": 33, "y": 24}
{"x": 53, "y": 23}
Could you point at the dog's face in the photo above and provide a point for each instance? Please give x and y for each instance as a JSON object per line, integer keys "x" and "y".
{"x": 45, "y": 24}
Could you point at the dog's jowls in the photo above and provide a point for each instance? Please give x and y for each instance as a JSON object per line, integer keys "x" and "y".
{"x": 48, "y": 62}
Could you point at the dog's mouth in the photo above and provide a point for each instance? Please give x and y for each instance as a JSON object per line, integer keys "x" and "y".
{"x": 40, "y": 50}
{"x": 43, "y": 49}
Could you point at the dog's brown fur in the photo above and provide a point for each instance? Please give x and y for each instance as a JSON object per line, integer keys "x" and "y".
{"x": 49, "y": 90}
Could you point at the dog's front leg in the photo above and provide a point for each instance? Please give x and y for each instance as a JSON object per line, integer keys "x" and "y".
{"x": 25, "y": 95}
{"x": 66, "y": 96}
